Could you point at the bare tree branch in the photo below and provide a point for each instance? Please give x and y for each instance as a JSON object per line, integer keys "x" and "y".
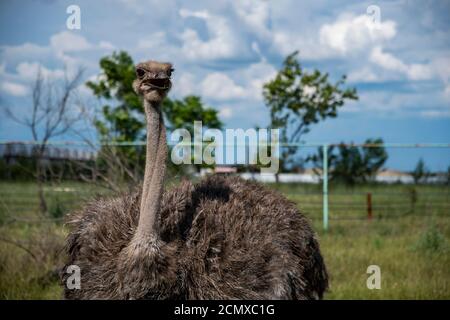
{"x": 21, "y": 246}
{"x": 50, "y": 117}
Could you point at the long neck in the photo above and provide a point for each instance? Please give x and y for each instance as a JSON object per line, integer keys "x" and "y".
{"x": 155, "y": 169}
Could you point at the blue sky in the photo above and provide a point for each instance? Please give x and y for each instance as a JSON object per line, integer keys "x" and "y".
{"x": 225, "y": 50}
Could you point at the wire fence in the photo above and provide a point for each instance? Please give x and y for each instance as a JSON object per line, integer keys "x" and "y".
{"x": 320, "y": 200}
{"x": 20, "y": 206}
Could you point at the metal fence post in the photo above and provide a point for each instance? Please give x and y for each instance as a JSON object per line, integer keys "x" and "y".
{"x": 325, "y": 186}
{"x": 369, "y": 206}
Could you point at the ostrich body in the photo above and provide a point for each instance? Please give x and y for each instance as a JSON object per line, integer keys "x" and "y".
{"x": 223, "y": 238}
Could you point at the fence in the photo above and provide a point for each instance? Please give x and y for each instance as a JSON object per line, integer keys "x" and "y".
{"x": 368, "y": 202}
{"x": 369, "y": 195}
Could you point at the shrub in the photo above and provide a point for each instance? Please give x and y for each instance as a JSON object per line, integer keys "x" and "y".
{"x": 432, "y": 241}
{"x": 57, "y": 209}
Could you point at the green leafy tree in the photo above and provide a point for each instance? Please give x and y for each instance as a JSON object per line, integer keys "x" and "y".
{"x": 298, "y": 98}
{"x": 122, "y": 116}
{"x": 448, "y": 176}
{"x": 183, "y": 113}
{"x": 351, "y": 164}
{"x": 317, "y": 159}
{"x": 420, "y": 172}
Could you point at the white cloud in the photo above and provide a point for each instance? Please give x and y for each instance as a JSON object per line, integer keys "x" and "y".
{"x": 363, "y": 75}
{"x": 255, "y": 76}
{"x": 192, "y": 35}
{"x": 241, "y": 84}
{"x": 12, "y": 54}
{"x": 419, "y": 72}
{"x": 27, "y": 58}
{"x": 134, "y": 5}
{"x": 221, "y": 43}
{"x": 392, "y": 63}
{"x": 66, "y": 41}
{"x": 255, "y": 14}
{"x": 384, "y": 66}
{"x": 157, "y": 46}
{"x": 348, "y": 35}
{"x": 61, "y": 42}
{"x": 387, "y": 60}
{"x": 353, "y": 33}
{"x": 399, "y": 104}
{"x": 285, "y": 42}
{"x": 29, "y": 70}
{"x": 106, "y": 45}
{"x": 226, "y": 112}
{"x": 309, "y": 91}
{"x": 436, "y": 114}
{"x": 14, "y": 89}
{"x": 204, "y": 14}
{"x": 61, "y": 49}
{"x": 446, "y": 92}
{"x": 184, "y": 85}
{"x": 96, "y": 77}
{"x": 219, "y": 86}
{"x": 155, "y": 40}
{"x": 156, "y": 7}
{"x": 441, "y": 66}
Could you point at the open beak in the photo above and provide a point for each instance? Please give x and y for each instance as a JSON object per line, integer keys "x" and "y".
{"x": 162, "y": 84}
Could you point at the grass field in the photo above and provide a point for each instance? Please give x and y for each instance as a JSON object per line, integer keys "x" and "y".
{"x": 408, "y": 238}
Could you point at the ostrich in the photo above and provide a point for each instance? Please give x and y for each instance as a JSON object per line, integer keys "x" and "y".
{"x": 222, "y": 238}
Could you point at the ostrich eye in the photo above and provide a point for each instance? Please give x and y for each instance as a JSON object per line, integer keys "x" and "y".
{"x": 140, "y": 73}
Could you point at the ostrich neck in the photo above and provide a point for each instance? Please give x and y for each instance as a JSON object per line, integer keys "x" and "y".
{"x": 155, "y": 169}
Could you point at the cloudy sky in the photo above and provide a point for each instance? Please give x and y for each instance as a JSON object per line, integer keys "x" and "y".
{"x": 225, "y": 50}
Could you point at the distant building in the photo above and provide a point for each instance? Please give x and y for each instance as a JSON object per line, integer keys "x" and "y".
{"x": 394, "y": 176}
{"x": 225, "y": 169}
{"x": 314, "y": 176}
{"x": 15, "y": 150}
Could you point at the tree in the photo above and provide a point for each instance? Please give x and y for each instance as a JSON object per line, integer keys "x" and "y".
{"x": 351, "y": 164}
{"x": 420, "y": 172}
{"x": 183, "y": 113}
{"x": 298, "y": 98}
{"x": 317, "y": 159}
{"x": 123, "y": 122}
{"x": 447, "y": 180}
{"x": 50, "y": 117}
{"x": 122, "y": 117}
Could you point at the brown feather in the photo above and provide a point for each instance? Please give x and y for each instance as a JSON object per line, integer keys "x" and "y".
{"x": 223, "y": 238}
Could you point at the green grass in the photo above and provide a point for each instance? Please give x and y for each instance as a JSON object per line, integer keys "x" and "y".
{"x": 408, "y": 238}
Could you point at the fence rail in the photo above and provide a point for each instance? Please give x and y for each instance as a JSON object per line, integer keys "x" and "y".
{"x": 368, "y": 202}
{"x": 281, "y": 144}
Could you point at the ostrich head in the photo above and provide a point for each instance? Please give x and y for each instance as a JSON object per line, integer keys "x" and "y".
{"x": 153, "y": 80}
